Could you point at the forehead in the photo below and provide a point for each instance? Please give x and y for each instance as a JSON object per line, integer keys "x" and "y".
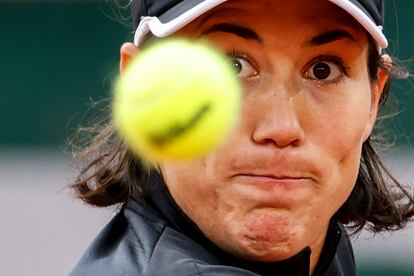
{"x": 275, "y": 16}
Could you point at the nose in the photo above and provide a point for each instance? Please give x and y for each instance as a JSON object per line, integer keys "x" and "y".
{"x": 278, "y": 122}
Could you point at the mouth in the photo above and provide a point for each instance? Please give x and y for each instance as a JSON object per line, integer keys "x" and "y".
{"x": 270, "y": 182}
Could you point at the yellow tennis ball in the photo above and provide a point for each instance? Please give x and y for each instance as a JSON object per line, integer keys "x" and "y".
{"x": 177, "y": 100}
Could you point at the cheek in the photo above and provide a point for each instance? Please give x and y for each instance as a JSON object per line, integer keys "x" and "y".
{"x": 337, "y": 134}
{"x": 192, "y": 187}
{"x": 339, "y": 122}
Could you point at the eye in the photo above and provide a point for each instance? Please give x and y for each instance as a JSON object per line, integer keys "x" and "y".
{"x": 326, "y": 70}
{"x": 243, "y": 68}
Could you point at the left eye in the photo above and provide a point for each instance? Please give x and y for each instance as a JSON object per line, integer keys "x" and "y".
{"x": 243, "y": 68}
{"x": 325, "y": 70}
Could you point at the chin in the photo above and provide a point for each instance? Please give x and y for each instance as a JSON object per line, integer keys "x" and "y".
{"x": 267, "y": 252}
{"x": 268, "y": 237}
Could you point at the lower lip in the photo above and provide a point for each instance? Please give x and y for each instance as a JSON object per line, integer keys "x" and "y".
{"x": 270, "y": 183}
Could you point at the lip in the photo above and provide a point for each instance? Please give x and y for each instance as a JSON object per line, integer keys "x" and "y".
{"x": 270, "y": 182}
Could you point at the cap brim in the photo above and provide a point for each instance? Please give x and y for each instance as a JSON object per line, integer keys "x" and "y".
{"x": 188, "y": 10}
{"x": 360, "y": 14}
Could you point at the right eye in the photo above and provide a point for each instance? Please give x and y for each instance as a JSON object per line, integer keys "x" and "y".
{"x": 243, "y": 68}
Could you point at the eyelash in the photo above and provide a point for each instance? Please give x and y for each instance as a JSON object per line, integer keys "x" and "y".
{"x": 339, "y": 61}
{"x": 237, "y": 54}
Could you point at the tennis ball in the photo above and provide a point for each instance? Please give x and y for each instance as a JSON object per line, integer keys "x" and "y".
{"x": 177, "y": 100}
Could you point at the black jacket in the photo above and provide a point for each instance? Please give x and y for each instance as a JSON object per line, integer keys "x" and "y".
{"x": 159, "y": 239}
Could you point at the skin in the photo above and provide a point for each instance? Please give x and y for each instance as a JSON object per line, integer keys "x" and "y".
{"x": 293, "y": 159}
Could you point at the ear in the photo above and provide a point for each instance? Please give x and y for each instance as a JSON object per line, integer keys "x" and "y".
{"x": 383, "y": 76}
{"x": 377, "y": 90}
{"x": 128, "y": 51}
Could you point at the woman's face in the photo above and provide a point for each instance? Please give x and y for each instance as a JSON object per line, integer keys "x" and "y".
{"x": 293, "y": 159}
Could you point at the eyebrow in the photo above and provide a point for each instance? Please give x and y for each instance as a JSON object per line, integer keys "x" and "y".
{"x": 329, "y": 37}
{"x": 240, "y": 31}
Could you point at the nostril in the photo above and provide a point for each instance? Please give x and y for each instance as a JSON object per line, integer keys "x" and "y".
{"x": 279, "y": 143}
{"x": 279, "y": 134}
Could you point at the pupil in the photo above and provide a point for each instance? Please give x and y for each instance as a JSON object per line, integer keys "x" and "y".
{"x": 237, "y": 66}
{"x": 321, "y": 71}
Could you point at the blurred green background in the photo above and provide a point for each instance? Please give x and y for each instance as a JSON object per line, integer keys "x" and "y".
{"x": 57, "y": 58}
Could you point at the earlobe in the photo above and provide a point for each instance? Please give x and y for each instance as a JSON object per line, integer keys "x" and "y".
{"x": 128, "y": 51}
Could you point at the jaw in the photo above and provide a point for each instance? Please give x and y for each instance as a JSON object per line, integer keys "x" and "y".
{"x": 264, "y": 234}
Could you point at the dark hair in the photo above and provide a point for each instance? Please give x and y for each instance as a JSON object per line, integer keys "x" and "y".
{"x": 112, "y": 174}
